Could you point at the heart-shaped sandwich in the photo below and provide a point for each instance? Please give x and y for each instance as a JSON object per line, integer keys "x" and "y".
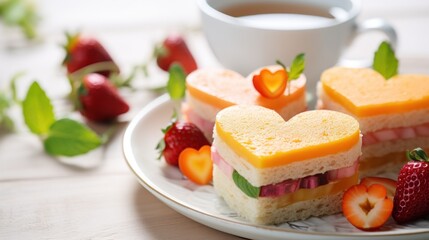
{"x": 393, "y": 113}
{"x": 210, "y": 90}
{"x": 271, "y": 171}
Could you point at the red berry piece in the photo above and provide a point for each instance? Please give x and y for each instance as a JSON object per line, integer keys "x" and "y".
{"x": 411, "y": 199}
{"x": 178, "y": 136}
{"x": 99, "y": 99}
{"x": 175, "y": 50}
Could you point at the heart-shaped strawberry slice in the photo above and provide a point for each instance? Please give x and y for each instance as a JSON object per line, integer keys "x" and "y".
{"x": 197, "y": 165}
{"x": 367, "y": 208}
{"x": 270, "y": 84}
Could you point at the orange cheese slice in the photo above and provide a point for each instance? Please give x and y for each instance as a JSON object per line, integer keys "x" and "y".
{"x": 223, "y": 88}
{"x": 265, "y": 140}
{"x": 364, "y": 92}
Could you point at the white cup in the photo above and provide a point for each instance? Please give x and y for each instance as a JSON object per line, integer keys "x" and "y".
{"x": 244, "y": 44}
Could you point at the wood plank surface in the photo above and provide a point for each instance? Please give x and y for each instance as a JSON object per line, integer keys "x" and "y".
{"x": 96, "y": 196}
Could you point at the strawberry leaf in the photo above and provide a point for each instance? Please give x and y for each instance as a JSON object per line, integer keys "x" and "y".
{"x": 418, "y": 154}
{"x": 176, "y": 84}
{"x": 385, "y": 61}
{"x": 160, "y": 147}
{"x": 67, "y": 137}
{"x": 37, "y": 110}
{"x": 297, "y": 67}
{"x": 245, "y": 186}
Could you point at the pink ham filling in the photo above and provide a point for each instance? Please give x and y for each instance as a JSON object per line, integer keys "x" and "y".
{"x": 290, "y": 185}
{"x": 395, "y": 134}
{"x": 191, "y": 116}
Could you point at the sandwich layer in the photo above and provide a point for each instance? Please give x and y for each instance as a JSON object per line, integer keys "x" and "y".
{"x": 264, "y": 176}
{"x": 383, "y": 166}
{"x": 385, "y": 147}
{"x": 378, "y": 121}
{"x": 222, "y": 88}
{"x": 204, "y": 115}
{"x": 208, "y": 111}
{"x": 323, "y": 200}
{"x": 263, "y": 139}
{"x": 365, "y": 92}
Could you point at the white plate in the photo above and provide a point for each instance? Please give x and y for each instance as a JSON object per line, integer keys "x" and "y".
{"x": 201, "y": 204}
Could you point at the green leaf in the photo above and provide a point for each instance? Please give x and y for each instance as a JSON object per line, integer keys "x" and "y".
{"x": 37, "y": 109}
{"x": 297, "y": 67}
{"x": 245, "y": 186}
{"x": 21, "y": 13}
{"x": 176, "y": 84}
{"x": 385, "y": 61}
{"x": 67, "y": 137}
{"x": 418, "y": 154}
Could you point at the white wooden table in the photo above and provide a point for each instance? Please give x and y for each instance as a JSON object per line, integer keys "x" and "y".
{"x": 97, "y": 196}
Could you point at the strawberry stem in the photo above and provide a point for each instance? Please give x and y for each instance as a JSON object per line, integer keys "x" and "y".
{"x": 96, "y": 67}
{"x": 418, "y": 154}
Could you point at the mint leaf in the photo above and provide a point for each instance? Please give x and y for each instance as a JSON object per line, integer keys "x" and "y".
{"x": 297, "y": 67}
{"x": 245, "y": 186}
{"x": 37, "y": 110}
{"x": 176, "y": 84}
{"x": 21, "y": 13}
{"x": 385, "y": 61}
{"x": 67, "y": 137}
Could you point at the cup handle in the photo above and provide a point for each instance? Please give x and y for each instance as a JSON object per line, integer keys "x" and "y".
{"x": 374, "y": 24}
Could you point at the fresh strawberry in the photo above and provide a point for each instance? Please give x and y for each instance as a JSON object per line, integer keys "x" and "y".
{"x": 412, "y": 191}
{"x": 269, "y": 84}
{"x": 388, "y": 183}
{"x": 99, "y": 99}
{"x": 178, "y": 136}
{"x": 174, "y": 49}
{"x": 367, "y": 208}
{"x": 84, "y": 51}
{"x": 197, "y": 165}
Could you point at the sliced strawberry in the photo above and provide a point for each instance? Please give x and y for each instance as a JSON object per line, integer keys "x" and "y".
{"x": 269, "y": 84}
{"x": 178, "y": 136}
{"x": 99, "y": 99}
{"x": 388, "y": 183}
{"x": 197, "y": 165}
{"x": 412, "y": 191}
{"x": 84, "y": 51}
{"x": 367, "y": 208}
{"x": 175, "y": 50}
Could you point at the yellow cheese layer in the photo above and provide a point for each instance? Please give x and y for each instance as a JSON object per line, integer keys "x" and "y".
{"x": 260, "y": 136}
{"x": 364, "y": 92}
